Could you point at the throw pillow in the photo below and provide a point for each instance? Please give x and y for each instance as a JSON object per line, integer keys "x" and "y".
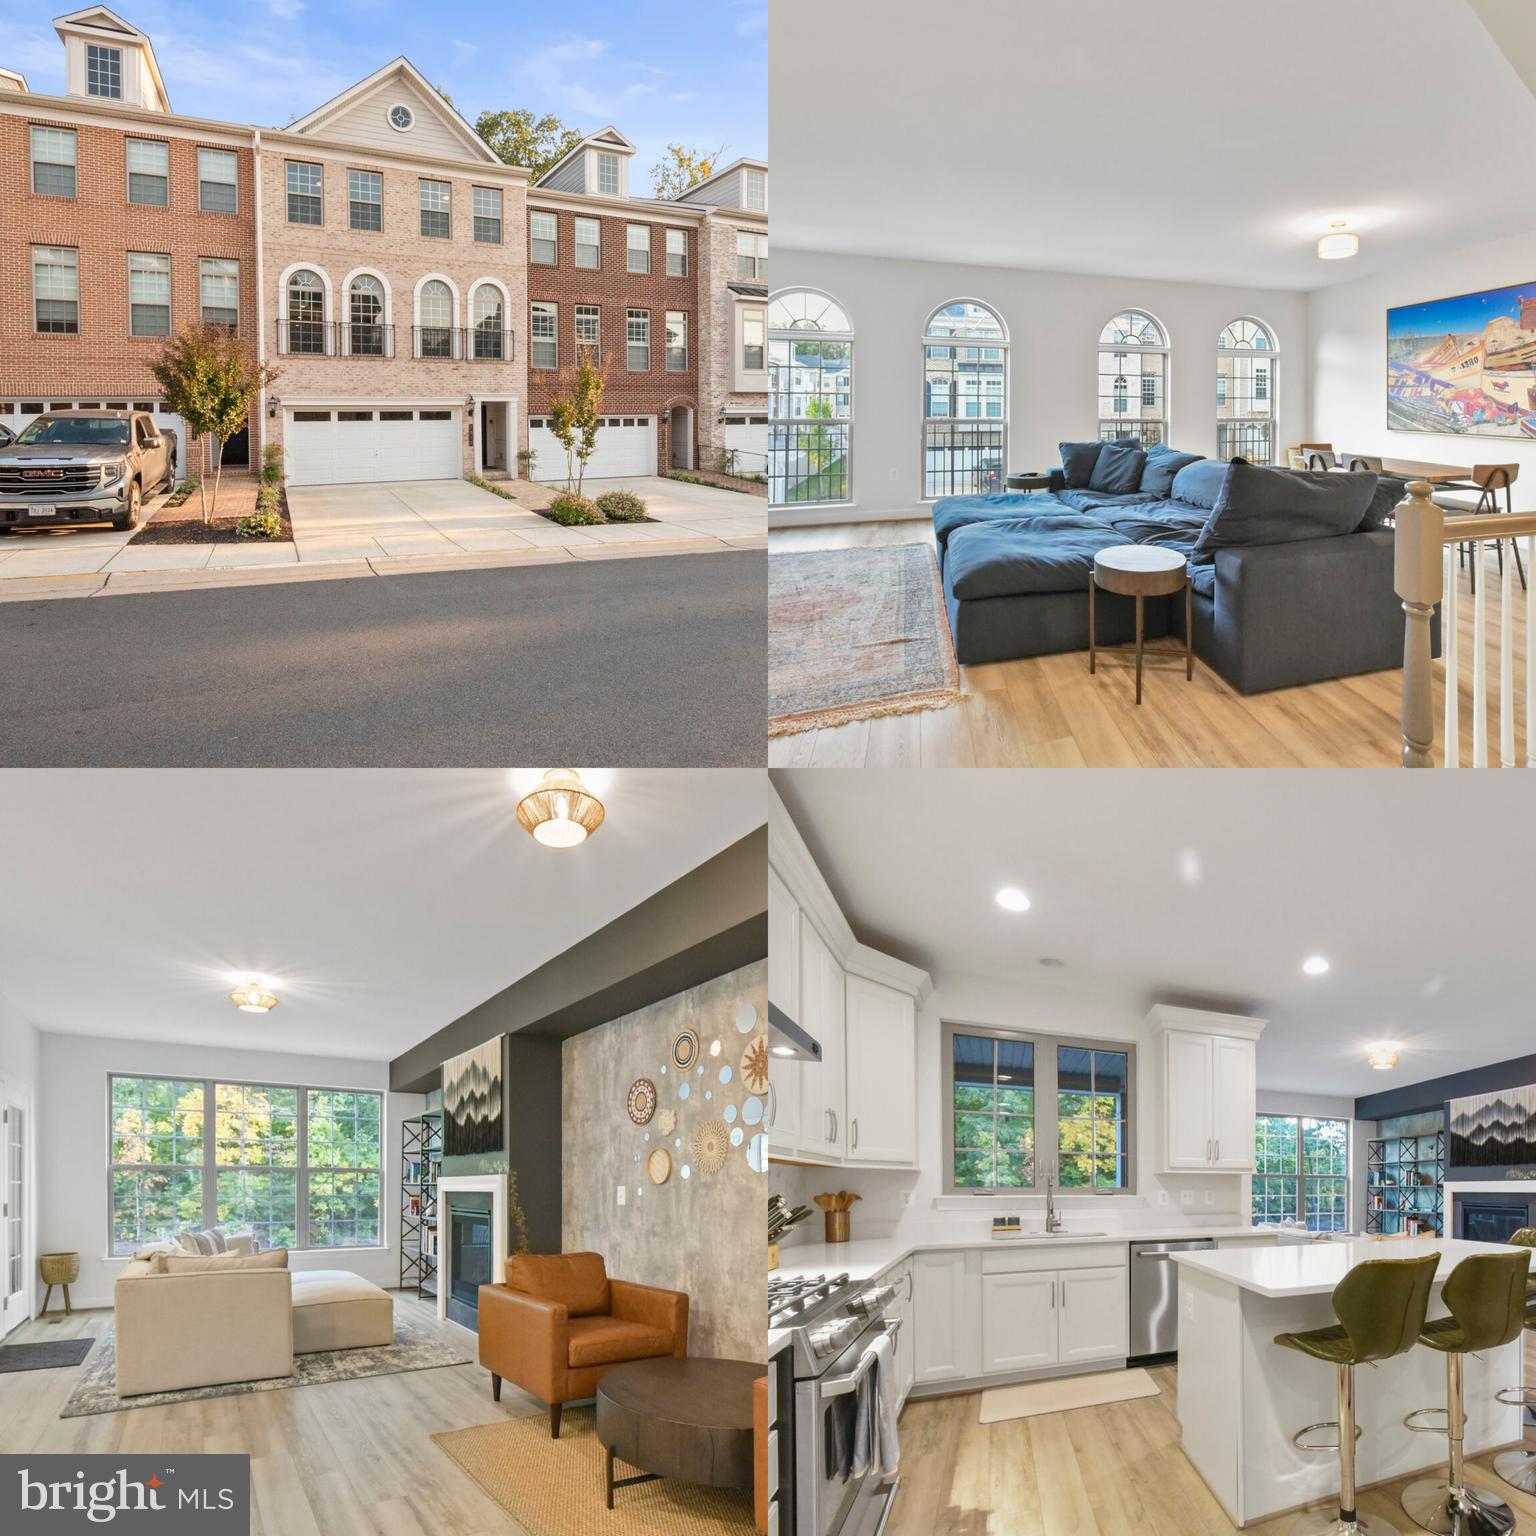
{"x": 1389, "y": 493}
{"x": 1118, "y": 470}
{"x": 1077, "y": 463}
{"x": 218, "y": 1263}
{"x": 1261, "y": 505}
{"x": 149, "y": 1250}
{"x": 1199, "y": 484}
{"x": 1163, "y": 463}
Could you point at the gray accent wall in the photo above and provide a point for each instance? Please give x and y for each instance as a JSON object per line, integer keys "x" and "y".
{"x": 704, "y": 1234}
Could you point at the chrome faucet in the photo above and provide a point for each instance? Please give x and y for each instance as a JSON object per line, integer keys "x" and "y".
{"x": 1052, "y": 1215}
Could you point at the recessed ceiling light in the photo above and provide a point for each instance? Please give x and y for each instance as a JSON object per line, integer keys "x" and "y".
{"x": 1383, "y": 1057}
{"x": 562, "y": 811}
{"x": 254, "y": 997}
{"x": 1012, "y": 899}
{"x": 1314, "y": 965}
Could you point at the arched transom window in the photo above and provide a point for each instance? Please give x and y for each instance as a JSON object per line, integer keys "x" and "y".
{"x": 810, "y": 400}
{"x": 1133, "y": 379}
{"x": 965, "y": 400}
{"x": 435, "y": 321}
{"x": 365, "y": 316}
{"x": 486, "y": 313}
{"x": 1247, "y": 391}
{"x": 306, "y": 312}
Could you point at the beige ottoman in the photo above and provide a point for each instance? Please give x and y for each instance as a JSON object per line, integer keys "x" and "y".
{"x": 335, "y": 1309}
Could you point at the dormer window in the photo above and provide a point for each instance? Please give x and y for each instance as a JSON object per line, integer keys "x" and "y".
{"x": 104, "y": 71}
{"x": 608, "y": 175}
{"x": 757, "y": 190}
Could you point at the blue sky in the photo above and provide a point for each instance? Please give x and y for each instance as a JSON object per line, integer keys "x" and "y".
{"x": 684, "y": 72}
{"x": 1464, "y": 314}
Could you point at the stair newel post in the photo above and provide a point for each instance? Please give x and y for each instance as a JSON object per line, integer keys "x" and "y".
{"x": 1418, "y": 580}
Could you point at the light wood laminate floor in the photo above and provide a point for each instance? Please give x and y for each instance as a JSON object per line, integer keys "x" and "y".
{"x": 1110, "y": 1471}
{"x": 348, "y": 1458}
{"x": 1048, "y": 712}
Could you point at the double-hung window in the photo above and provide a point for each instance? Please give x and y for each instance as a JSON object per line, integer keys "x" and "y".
{"x": 751, "y": 256}
{"x": 754, "y": 331}
{"x": 487, "y": 215}
{"x": 588, "y": 331}
{"x": 304, "y": 193}
{"x": 543, "y": 334}
{"x": 344, "y": 1142}
{"x": 53, "y": 161}
{"x": 637, "y": 242}
{"x": 1301, "y": 1171}
{"x": 436, "y": 221}
{"x": 104, "y": 72}
{"x": 677, "y": 342}
{"x": 677, "y": 253}
{"x": 1021, "y": 1108}
{"x": 637, "y": 337}
{"x": 218, "y": 181}
{"x": 589, "y": 244}
{"x": 1246, "y": 359}
{"x": 218, "y": 283}
{"x": 542, "y": 242}
{"x": 149, "y": 294}
{"x": 608, "y": 175}
{"x": 149, "y": 172}
{"x": 1133, "y": 379}
{"x": 56, "y": 290}
{"x": 365, "y": 199}
{"x": 756, "y": 191}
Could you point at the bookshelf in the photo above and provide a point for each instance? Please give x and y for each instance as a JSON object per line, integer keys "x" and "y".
{"x": 421, "y": 1157}
{"x": 1405, "y": 1181}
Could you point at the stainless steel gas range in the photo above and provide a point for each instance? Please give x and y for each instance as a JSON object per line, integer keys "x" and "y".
{"x": 831, "y": 1321}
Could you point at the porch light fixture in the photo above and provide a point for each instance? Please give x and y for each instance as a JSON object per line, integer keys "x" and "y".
{"x": 253, "y": 997}
{"x": 1339, "y": 245}
{"x": 1382, "y": 1057}
{"x": 561, "y": 812}
{"x": 1012, "y": 899}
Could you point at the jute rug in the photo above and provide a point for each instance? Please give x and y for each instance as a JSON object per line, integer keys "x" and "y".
{"x": 556, "y": 1487}
{"x": 414, "y": 1349}
{"x": 1030, "y": 1398}
{"x": 854, "y": 634}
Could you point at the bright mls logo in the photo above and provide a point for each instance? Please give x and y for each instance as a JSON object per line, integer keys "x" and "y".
{"x": 61, "y": 1495}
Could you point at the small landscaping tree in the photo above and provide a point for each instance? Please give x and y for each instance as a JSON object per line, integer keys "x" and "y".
{"x": 209, "y": 380}
{"x": 575, "y": 414}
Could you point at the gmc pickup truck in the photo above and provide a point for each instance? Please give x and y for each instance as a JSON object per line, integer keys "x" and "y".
{"x": 84, "y": 467}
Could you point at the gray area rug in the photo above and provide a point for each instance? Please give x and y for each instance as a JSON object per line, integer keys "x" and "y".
{"x": 414, "y": 1349}
{"x": 44, "y": 1357}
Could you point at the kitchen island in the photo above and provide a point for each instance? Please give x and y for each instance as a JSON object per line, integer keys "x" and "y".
{"x": 1241, "y": 1396}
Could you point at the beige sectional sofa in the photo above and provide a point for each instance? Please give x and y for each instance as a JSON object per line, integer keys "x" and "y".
{"x": 227, "y": 1324}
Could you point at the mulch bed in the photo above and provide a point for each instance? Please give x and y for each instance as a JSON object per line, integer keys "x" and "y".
{"x": 185, "y": 525}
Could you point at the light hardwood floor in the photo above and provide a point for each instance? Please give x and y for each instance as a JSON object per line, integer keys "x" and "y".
{"x": 1047, "y": 712}
{"x": 348, "y": 1458}
{"x": 1110, "y": 1471}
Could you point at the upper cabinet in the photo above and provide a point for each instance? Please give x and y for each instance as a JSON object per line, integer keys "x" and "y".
{"x": 1209, "y": 1086}
{"x": 783, "y": 947}
{"x": 882, "y": 1074}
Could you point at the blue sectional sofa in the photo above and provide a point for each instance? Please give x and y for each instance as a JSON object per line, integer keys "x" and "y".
{"x": 1292, "y": 570}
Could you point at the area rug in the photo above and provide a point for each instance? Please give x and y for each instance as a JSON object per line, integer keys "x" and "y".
{"x": 556, "y": 1487}
{"x": 854, "y": 634}
{"x": 44, "y": 1357}
{"x": 1030, "y": 1398}
{"x": 414, "y": 1349}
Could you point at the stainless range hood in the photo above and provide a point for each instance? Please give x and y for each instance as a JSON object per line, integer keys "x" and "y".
{"x": 786, "y": 1038}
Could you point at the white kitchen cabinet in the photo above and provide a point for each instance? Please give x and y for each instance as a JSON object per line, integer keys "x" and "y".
{"x": 833, "y": 1069}
{"x": 900, "y": 1311}
{"x": 946, "y": 1296}
{"x": 783, "y": 947}
{"x": 1235, "y": 1101}
{"x": 783, "y": 1106}
{"x": 1189, "y": 1100}
{"x": 1092, "y": 1318}
{"x": 881, "y": 1025}
{"x": 823, "y": 1117}
{"x": 1033, "y": 1317}
{"x": 1018, "y": 1321}
{"x": 1209, "y": 1089}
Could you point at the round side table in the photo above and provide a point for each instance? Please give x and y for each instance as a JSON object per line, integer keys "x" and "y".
{"x": 1141, "y": 571}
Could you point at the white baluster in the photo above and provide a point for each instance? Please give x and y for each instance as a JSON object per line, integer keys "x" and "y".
{"x": 1479, "y": 660}
{"x": 1507, "y": 661}
{"x": 1450, "y": 645}
{"x": 1530, "y": 671}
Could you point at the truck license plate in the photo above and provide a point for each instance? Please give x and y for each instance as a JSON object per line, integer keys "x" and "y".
{"x": 42, "y": 511}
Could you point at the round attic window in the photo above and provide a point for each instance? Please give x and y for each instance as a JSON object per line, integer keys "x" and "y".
{"x": 401, "y": 117}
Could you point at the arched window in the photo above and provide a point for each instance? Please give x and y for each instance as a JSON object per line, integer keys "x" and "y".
{"x": 365, "y": 316}
{"x": 434, "y": 320}
{"x": 1247, "y": 391}
{"x": 1133, "y": 379}
{"x": 965, "y": 400}
{"x": 486, "y": 313}
{"x": 306, "y": 312}
{"x": 810, "y": 400}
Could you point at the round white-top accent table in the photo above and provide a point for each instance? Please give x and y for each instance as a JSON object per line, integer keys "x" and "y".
{"x": 1141, "y": 571}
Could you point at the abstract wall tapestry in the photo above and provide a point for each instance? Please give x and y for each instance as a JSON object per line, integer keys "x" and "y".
{"x": 1464, "y": 365}
{"x": 1492, "y": 1129}
{"x": 472, "y": 1101}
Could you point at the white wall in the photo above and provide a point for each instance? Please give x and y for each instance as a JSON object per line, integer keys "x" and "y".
{"x": 72, "y": 1143}
{"x": 19, "y": 1050}
{"x": 1054, "y": 320}
{"x": 1348, "y": 347}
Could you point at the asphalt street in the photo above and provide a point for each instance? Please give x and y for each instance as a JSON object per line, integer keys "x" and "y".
{"x": 631, "y": 662}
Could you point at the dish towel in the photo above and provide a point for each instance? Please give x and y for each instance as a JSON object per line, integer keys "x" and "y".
{"x": 888, "y": 1456}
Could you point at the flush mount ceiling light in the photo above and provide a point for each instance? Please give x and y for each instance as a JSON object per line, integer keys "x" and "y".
{"x": 1315, "y": 965}
{"x": 253, "y": 997}
{"x": 1339, "y": 245}
{"x": 561, "y": 812}
{"x": 1012, "y": 899}
{"x": 1383, "y": 1057}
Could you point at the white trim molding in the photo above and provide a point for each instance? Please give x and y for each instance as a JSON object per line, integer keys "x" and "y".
{"x": 373, "y": 272}
{"x": 492, "y": 1184}
{"x": 434, "y": 277}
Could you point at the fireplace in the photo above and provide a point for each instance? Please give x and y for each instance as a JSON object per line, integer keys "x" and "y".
{"x": 469, "y": 1238}
{"x": 1485, "y": 1218}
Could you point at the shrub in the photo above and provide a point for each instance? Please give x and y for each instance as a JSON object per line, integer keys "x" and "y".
{"x": 266, "y": 522}
{"x": 621, "y": 507}
{"x": 271, "y": 464}
{"x": 573, "y": 511}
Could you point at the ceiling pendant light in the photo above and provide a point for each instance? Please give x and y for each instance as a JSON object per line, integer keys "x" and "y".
{"x": 1382, "y": 1057}
{"x": 253, "y": 997}
{"x": 561, "y": 812}
{"x": 1339, "y": 245}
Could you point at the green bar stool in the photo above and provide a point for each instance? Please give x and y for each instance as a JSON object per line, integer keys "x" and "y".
{"x": 1518, "y": 1468}
{"x": 1380, "y": 1306}
{"x": 1486, "y": 1299}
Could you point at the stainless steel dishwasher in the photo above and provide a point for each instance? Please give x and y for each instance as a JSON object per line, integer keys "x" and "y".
{"x": 1155, "y": 1296}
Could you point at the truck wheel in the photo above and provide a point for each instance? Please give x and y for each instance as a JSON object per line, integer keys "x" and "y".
{"x": 130, "y": 518}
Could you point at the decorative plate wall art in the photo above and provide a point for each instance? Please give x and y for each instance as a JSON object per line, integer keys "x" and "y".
{"x": 642, "y": 1100}
{"x": 658, "y": 1166}
{"x": 746, "y": 1019}
{"x": 685, "y": 1049}
{"x": 709, "y": 1146}
{"x": 666, "y": 1121}
{"x": 754, "y": 1065}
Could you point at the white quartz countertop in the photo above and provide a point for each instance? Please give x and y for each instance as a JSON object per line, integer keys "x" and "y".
{"x": 1313, "y": 1269}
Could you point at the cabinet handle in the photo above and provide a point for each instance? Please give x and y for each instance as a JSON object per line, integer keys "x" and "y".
{"x": 773, "y": 1104}
{"x": 1053, "y": 1295}
{"x": 855, "y": 1133}
{"x": 1208, "y": 1149}
{"x": 1218, "y": 1151}
{"x": 833, "y": 1113}
{"x": 1063, "y": 1295}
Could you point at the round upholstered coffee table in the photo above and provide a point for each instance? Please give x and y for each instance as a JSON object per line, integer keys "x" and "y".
{"x": 687, "y": 1418}
{"x": 1141, "y": 571}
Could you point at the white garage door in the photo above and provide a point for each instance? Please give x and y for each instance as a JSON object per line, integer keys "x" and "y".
{"x": 747, "y": 438}
{"x": 19, "y": 414}
{"x": 626, "y": 446}
{"x": 347, "y": 447}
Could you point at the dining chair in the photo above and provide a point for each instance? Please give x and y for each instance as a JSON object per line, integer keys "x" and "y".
{"x": 1488, "y": 480}
{"x": 1365, "y": 461}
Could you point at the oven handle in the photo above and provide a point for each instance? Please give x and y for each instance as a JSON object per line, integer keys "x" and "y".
{"x": 839, "y": 1386}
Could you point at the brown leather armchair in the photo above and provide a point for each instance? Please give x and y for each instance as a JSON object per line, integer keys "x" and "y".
{"x": 559, "y": 1322}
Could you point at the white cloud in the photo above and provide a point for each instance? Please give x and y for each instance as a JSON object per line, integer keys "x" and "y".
{"x": 285, "y": 10}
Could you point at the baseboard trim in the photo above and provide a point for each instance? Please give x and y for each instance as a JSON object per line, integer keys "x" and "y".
{"x": 832, "y": 517}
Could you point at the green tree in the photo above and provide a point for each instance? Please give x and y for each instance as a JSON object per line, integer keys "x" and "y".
{"x": 519, "y": 138}
{"x": 208, "y": 378}
{"x": 682, "y": 167}
{"x": 576, "y": 412}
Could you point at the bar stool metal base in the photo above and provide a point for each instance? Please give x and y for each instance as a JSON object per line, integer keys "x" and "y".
{"x": 1326, "y": 1522}
{"x": 1518, "y": 1469}
{"x": 1463, "y": 1511}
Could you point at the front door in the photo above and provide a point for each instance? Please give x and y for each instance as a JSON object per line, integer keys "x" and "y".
{"x": 681, "y": 433}
{"x": 14, "y": 1266}
{"x": 493, "y": 433}
{"x": 237, "y": 451}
